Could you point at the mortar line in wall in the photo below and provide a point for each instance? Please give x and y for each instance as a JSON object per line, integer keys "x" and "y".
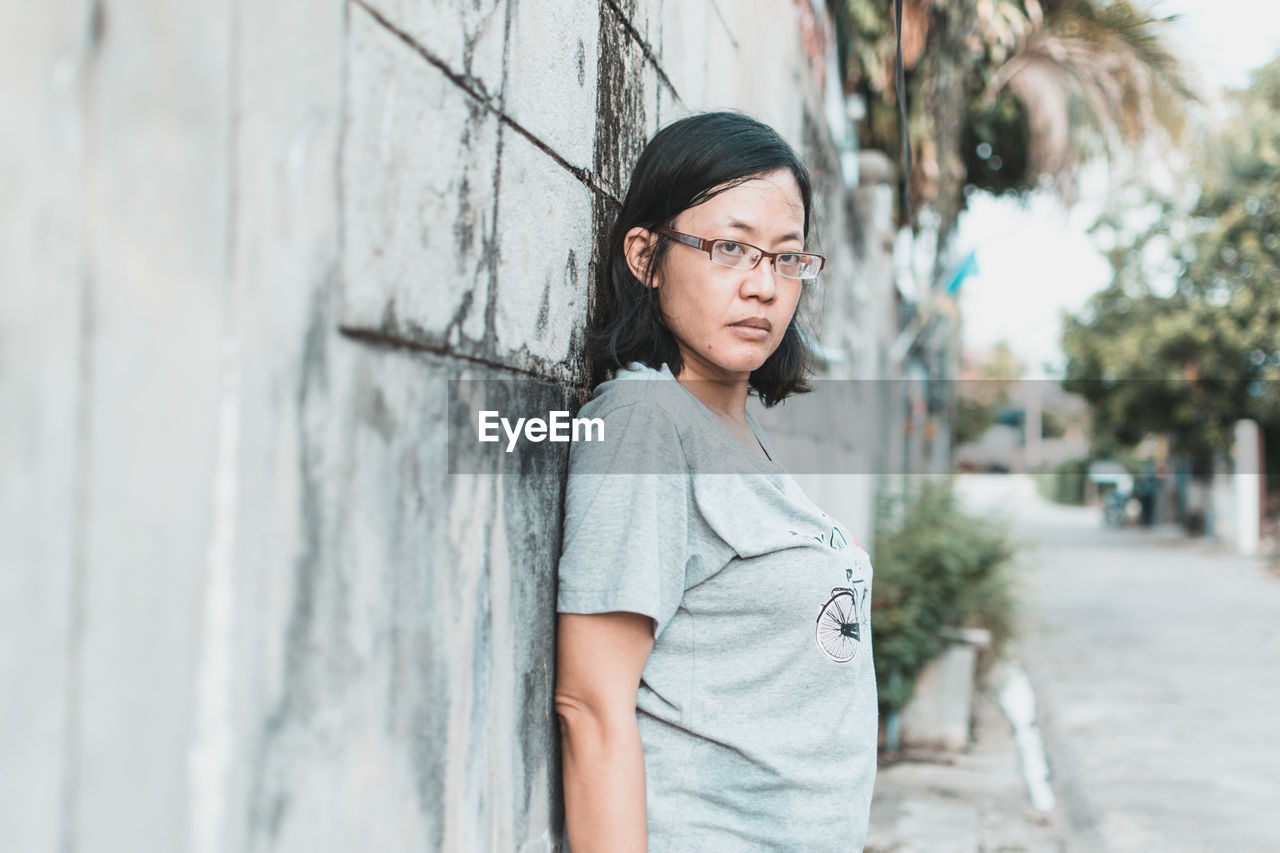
{"x": 724, "y": 23}
{"x": 645, "y": 47}
{"x": 585, "y": 176}
{"x": 495, "y": 243}
{"x": 82, "y": 440}
{"x": 377, "y": 338}
{"x": 69, "y": 796}
{"x": 462, "y": 81}
{"x": 338, "y": 284}
{"x": 470, "y": 85}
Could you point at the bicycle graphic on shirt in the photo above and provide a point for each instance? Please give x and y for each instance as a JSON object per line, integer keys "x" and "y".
{"x": 838, "y": 632}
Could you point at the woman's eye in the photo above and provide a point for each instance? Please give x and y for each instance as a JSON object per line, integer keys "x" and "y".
{"x": 789, "y": 260}
{"x": 731, "y": 248}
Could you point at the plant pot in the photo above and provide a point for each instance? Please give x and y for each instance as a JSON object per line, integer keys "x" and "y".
{"x": 940, "y": 713}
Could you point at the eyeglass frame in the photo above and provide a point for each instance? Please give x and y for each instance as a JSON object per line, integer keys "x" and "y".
{"x": 706, "y": 245}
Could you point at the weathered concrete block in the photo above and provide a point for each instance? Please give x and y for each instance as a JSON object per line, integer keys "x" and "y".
{"x": 625, "y": 102}
{"x": 417, "y": 706}
{"x": 419, "y": 173}
{"x": 683, "y": 51}
{"x": 544, "y": 246}
{"x": 42, "y": 395}
{"x": 759, "y": 69}
{"x": 651, "y": 88}
{"x": 285, "y": 282}
{"x": 551, "y": 80}
{"x": 158, "y": 115}
{"x": 468, "y": 38}
{"x": 733, "y": 70}
{"x": 645, "y": 17}
{"x": 342, "y": 757}
{"x": 641, "y": 61}
{"x": 670, "y": 108}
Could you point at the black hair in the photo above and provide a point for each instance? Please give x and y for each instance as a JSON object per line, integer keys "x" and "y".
{"x": 684, "y": 164}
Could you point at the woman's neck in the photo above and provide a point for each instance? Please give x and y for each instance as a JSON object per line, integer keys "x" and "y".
{"x": 726, "y": 398}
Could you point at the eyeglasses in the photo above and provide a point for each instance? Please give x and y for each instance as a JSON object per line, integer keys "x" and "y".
{"x": 738, "y": 255}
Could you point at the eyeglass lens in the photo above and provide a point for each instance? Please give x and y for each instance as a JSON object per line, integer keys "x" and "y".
{"x": 741, "y": 256}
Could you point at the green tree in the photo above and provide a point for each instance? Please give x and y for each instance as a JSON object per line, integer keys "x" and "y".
{"x": 1190, "y": 362}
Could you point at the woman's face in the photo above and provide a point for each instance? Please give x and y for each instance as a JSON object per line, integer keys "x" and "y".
{"x": 729, "y": 321}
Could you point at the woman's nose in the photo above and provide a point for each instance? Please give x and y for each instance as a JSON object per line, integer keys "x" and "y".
{"x": 761, "y": 280}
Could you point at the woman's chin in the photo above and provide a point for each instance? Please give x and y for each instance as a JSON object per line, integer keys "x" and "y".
{"x": 753, "y": 360}
{"x": 745, "y": 366}
{"x": 734, "y": 360}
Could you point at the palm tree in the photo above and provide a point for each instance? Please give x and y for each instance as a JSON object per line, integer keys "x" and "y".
{"x": 1106, "y": 65}
{"x": 1009, "y": 94}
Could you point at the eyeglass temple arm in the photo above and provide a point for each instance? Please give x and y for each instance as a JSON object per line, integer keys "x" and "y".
{"x": 687, "y": 239}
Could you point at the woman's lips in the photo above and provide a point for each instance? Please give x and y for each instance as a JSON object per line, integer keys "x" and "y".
{"x": 750, "y": 332}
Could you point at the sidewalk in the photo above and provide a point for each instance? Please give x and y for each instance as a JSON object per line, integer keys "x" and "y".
{"x": 1149, "y": 653}
{"x": 971, "y": 802}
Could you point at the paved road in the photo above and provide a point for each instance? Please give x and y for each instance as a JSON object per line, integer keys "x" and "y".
{"x": 1156, "y": 660}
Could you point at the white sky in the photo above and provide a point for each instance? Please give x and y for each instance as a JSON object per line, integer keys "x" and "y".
{"x": 1036, "y": 260}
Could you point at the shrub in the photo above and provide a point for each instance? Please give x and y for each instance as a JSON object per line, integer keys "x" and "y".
{"x": 1065, "y": 484}
{"x": 936, "y": 566}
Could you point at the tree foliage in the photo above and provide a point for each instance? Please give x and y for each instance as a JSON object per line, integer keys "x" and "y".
{"x": 1190, "y": 360}
{"x": 1005, "y": 93}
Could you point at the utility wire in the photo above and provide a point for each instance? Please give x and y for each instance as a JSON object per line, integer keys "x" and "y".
{"x": 900, "y": 85}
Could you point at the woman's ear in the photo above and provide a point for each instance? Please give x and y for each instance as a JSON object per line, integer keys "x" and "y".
{"x": 638, "y": 247}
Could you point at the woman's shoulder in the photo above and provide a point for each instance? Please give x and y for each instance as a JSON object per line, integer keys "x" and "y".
{"x": 637, "y": 417}
{"x": 637, "y": 384}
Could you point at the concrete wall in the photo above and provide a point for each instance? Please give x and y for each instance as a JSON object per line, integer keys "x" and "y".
{"x": 245, "y": 245}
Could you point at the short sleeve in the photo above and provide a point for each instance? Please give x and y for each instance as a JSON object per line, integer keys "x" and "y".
{"x": 626, "y": 527}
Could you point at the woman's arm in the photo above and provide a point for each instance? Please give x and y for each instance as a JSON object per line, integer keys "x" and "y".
{"x": 600, "y": 659}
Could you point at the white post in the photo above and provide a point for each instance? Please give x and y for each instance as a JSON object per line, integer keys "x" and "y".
{"x": 1248, "y": 500}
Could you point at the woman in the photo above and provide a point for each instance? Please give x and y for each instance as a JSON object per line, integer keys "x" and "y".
{"x": 715, "y": 686}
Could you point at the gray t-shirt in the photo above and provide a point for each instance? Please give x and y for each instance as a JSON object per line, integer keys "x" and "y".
{"x": 757, "y": 706}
